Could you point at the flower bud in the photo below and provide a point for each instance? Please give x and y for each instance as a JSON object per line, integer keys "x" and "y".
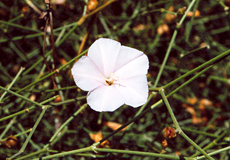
{"x": 11, "y": 141}
{"x": 91, "y": 5}
{"x": 169, "y": 132}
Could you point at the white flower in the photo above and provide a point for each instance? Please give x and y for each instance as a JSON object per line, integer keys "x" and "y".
{"x": 113, "y": 74}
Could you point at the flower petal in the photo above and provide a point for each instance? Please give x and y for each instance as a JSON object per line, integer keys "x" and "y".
{"x": 134, "y": 90}
{"x": 104, "y": 53}
{"x": 105, "y": 98}
{"x": 86, "y": 74}
{"x": 135, "y": 67}
{"x": 126, "y": 55}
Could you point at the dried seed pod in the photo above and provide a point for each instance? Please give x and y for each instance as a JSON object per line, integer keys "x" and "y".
{"x": 169, "y": 132}
{"x": 11, "y": 141}
{"x": 91, "y": 5}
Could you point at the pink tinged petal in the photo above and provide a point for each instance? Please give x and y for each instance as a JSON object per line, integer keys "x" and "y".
{"x": 86, "y": 74}
{"x": 133, "y": 68}
{"x": 105, "y": 98}
{"x": 134, "y": 90}
{"x": 104, "y": 53}
{"x": 126, "y": 55}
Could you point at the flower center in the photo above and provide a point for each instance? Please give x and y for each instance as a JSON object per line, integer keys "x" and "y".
{"x": 112, "y": 79}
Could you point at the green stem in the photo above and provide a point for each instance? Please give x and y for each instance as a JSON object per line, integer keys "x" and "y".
{"x": 8, "y": 127}
{"x": 91, "y": 148}
{"x": 178, "y": 127}
{"x": 191, "y": 21}
{"x": 195, "y": 145}
{"x": 214, "y": 142}
{"x": 20, "y": 96}
{"x": 30, "y": 135}
{"x": 54, "y": 72}
{"x": 32, "y": 154}
{"x": 22, "y": 37}
{"x": 157, "y": 104}
{"x": 64, "y": 124}
{"x": 63, "y": 154}
{"x": 192, "y": 130}
{"x": 141, "y": 153}
{"x": 18, "y": 26}
{"x": 12, "y": 83}
{"x": 211, "y": 61}
{"x": 26, "y": 110}
{"x": 142, "y": 108}
{"x": 21, "y": 133}
{"x": 48, "y": 90}
{"x": 171, "y": 44}
{"x": 215, "y": 152}
{"x": 16, "y": 18}
{"x": 68, "y": 101}
{"x": 170, "y": 110}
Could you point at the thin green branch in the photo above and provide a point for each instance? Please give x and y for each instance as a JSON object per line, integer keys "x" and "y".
{"x": 170, "y": 110}
{"x": 27, "y": 109}
{"x": 215, "y": 152}
{"x": 65, "y": 124}
{"x": 178, "y": 127}
{"x": 63, "y": 154}
{"x": 171, "y": 44}
{"x": 20, "y": 96}
{"x": 21, "y": 133}
{"x": 215, "y": 141}
{"x": 18, "y": 26}
{"x": 150, "y": 154}
{"x": 12, "y": 121}
{"x": 54, "y": 72}
{"x": 30, "y": 135}
{"x": 157, "y": 104}
{"x": 47, "y": 90}
{"x": 210, "y": 62}
{"x": 12, "y": 83}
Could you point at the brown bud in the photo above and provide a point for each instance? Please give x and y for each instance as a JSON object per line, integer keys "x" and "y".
{"x": 11, "y": 141}
{"x": 169, "y": 132}
{"x": 58, "y": 99}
